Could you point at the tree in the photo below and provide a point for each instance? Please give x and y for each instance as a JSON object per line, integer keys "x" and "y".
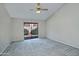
{"x": 26, "y": 32}
{"x": 34, "y": 32}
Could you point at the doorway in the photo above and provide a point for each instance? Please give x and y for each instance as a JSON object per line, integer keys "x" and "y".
{"x": 30, "y": 30}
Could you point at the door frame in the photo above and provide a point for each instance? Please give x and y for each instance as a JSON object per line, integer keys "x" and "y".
{"x": 33, "y": 23}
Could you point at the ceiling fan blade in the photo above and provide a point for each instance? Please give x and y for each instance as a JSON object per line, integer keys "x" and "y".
{"x": 44, "y": 9}
{"x": 38, "y": 8}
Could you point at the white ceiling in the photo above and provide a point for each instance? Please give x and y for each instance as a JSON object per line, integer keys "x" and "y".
{"x": 22, "y": 10}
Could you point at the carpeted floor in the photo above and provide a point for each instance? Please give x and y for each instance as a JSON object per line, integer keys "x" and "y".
{"x": 40, "y": 47}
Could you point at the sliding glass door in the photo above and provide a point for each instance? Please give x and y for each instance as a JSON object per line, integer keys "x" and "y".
{"x": 30, "y": 30}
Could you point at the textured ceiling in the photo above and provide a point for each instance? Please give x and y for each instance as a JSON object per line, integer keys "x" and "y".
{"x": 22, "y": 10}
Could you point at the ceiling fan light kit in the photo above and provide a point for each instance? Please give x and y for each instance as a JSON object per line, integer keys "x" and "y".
{"x": 38, "y": 11}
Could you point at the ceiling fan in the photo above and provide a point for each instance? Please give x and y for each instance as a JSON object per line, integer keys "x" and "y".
{"x": 38, "y": 8}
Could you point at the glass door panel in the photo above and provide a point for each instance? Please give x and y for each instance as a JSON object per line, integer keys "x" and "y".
{"x": 30, "y": 30}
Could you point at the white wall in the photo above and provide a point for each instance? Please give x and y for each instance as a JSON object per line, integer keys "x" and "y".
{"x": 64, "y": 25}
{"x": 4, "y": 28}
{"x": 18, "y": 28}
